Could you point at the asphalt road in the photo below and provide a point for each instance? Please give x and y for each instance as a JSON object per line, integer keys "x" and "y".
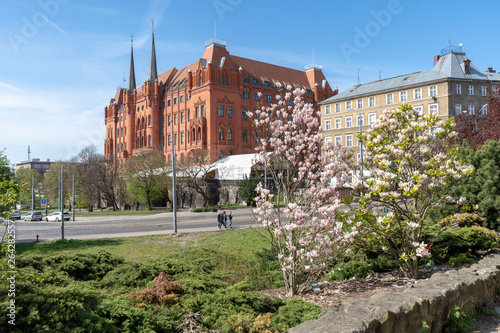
{"x": 127, "y": 226}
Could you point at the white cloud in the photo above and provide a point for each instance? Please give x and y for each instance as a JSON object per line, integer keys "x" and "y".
{"x": 10, "y": 87}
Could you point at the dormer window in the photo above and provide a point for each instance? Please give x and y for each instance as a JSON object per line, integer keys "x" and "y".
{"x": 255, "y": 81}
{"x": 467, "y": 66}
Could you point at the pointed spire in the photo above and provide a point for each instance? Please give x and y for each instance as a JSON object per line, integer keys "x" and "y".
{"x": 131, "y": 77}
{"x": 153, "y": 74}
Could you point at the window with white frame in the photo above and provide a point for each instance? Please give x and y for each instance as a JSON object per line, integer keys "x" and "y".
{"x": 338, "y": 140}
{"x": 371, "y": 118}
{"x": 402, "y": 96}
{"x": 348, "y": 105}
{"x": 433, "y": 109}
{"x": 419, "y": 109}
{"x": 484, "y": 109}
{"x": 483, "y": 90}
{"x": 371, "y": 102}
{"x": 417, "y": 93}
{"x": 471, "y": 90}
{"x": 361, "y": 120}
{"x": 360, "y": 103}
{"x": 328, "y": 139}
{"x": 390, "y": 98}
{"x": 338, "y": 123}
{"x": 328, "y": 124}
{"x": 348, "y": 140}
{"x": 348, "y": 122}
{"x": 458, "y": 109}
{"x": 327, "y": 109}
{"x": 471, "y": 109}
{"x": 337, "y": 107}
{"x": 433, "y": 91}
{"x": 458, "y": 89}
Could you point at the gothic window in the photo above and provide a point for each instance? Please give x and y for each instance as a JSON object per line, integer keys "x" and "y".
{"x": 229, "y": 135}
{"x": 221, "y": 134}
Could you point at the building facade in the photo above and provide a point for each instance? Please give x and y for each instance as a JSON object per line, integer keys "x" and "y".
{"x": 454, "y": 85}
{"x": 202, "y": 105}
{"x": 41, "y": 166}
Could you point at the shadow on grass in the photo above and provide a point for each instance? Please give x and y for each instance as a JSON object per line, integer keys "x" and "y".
{"x": 52, "y": 247}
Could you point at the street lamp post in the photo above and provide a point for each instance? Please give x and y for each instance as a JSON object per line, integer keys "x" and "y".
{"x": 360, "y": 146}
{"x": 174, "y": 188}
{"x": 32, "y": 194}
{"x": 62, "y": 202}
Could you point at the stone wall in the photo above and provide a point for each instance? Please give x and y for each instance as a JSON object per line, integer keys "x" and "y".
{"x": 430, "y": 300}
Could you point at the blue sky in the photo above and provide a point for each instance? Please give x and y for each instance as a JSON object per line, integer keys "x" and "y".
{"x": 62, "y": 60}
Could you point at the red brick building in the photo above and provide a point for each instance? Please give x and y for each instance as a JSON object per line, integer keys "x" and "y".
{"x": 206, "y": 101}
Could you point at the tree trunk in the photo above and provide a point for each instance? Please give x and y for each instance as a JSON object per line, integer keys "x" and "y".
{"x": 290, "y": 283}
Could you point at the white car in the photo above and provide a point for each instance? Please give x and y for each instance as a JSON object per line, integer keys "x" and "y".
{"x": 33, "y": 216}
{"x": 57, "y": 217}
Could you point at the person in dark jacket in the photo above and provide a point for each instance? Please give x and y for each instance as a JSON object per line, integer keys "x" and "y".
{"x": 230, "y": 218}
{"x": 219, "y": 219}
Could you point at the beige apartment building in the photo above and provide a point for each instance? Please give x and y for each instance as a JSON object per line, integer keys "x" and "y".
{"x": 454, "y": 85}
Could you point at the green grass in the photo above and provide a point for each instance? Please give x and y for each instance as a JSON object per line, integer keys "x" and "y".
{"x": 154, "y": 246}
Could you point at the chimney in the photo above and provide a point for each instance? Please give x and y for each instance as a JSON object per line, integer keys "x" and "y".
{"x": 491, "y": 70}
{"x": 436, "y": 59}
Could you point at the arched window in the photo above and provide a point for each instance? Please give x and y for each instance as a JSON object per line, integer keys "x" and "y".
{"x": 149, "y": 120}
{"x": 199, "y": 133}
{"x": 138, "y": 109}
{"x": 229, "y": 135}
{"x": 150, "y": 141}
{"x": 221, "y": 134}
{"x": 201, "y": 80}
{"x": 138, "y": 124}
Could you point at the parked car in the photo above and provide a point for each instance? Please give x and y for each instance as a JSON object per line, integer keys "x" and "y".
{"x": 33, "y": 216}
{"x": 15, "y": 214}
{"x": 57, "y": 217}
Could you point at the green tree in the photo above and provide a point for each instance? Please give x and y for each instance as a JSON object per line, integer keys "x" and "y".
{"x": 147, "y": 177}
{"x": 24, "y": 178}
{"x": 6, "y": 172}
{"x": 247, "y": 188}
{"x": 51, "y": 179}
{"x": 482, "y": 187}
{"x": 9, "y": 190}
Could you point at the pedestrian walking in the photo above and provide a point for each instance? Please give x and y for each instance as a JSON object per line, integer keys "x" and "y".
{"x": 224, "y": 219}
{"x": 219, "y": 219}
{"x": 230, "y": 218}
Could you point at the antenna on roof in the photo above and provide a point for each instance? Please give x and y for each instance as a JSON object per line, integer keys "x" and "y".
{"x": 380, "y": 75}
{"x": 451, "y": 39}
{"x": 29, "y": 152}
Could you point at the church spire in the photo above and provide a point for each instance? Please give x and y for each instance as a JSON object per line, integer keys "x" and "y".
{"x": 153, "y": 75}
{"x": 131, "y": 78}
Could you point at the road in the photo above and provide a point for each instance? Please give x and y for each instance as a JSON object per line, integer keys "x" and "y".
{"x": 127, "y": 226}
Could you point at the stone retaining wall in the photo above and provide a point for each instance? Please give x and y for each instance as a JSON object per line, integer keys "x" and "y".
{"x": 398, "y": 311}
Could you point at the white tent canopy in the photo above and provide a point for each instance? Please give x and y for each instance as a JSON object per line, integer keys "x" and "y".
{"x": 234, "y": 167}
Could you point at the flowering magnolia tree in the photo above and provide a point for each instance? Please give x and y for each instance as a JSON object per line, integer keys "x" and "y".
{"x": 301, "y": 218}
{"x": 409, "y": 161}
